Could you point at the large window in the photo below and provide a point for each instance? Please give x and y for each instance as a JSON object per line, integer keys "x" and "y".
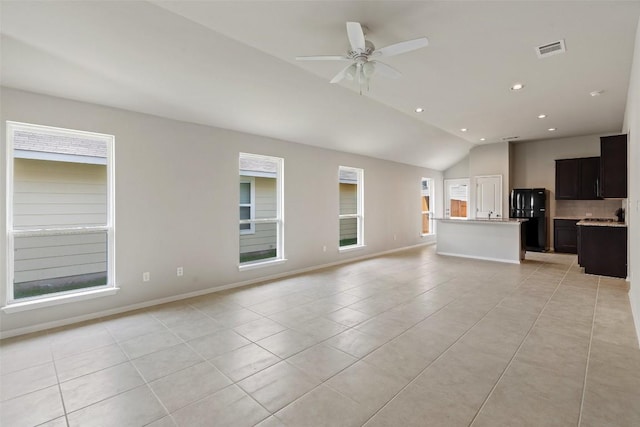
{"x": 427, "y": 200}
{"x": 351, "y": 207}
{"x": 60, "y": 219}
{"x": 261, "y": 209}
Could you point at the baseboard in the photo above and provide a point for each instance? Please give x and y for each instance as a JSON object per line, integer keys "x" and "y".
{"x": 507, "y": 261}
{"x": 119, "y": 310}
{"x": 634, "y": 300}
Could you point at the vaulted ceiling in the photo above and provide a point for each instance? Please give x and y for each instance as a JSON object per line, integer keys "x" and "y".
{"x": 231, "y": 64}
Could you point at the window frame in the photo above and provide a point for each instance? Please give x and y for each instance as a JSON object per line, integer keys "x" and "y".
{"x": 431, "y": 211}
{"x": 278, "y": 219}
{"x": 11, "y": 303}
{"x": 359, "y": 215}
{"x": 252, "y": 203}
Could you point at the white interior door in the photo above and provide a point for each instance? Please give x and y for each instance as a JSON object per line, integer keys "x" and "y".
{"x": 456, "y": 198}
{"x": 489, "y": 196}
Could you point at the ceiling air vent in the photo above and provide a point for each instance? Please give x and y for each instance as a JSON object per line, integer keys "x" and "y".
{"x": 510, "y": 138}
{"x": 551, "y": 49}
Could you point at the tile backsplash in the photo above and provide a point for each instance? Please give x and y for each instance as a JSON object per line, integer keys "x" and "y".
{"x": 580, "y": 208}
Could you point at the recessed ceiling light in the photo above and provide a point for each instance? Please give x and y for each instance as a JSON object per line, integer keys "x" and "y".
{"x": 542, "y": 116}
{"x": 596, "y": 93}
{"x": 463, "y": 130}
{"x": 517, "y": 86}
{"x": 551, "y": 129}
{"x": 419, "y": 110}
{"x": 483, "y": 139}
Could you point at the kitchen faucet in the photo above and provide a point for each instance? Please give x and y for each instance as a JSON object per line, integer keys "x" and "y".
{"x": 490, "y": 212}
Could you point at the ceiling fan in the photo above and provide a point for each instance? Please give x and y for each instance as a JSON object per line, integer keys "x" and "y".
{"x": 361, "y": 53}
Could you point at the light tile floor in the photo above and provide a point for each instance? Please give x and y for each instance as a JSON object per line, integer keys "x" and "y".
{"x": 411, "y": 339}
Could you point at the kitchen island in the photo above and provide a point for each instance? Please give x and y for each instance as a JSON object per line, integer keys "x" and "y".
{"x": 499, "y": 239}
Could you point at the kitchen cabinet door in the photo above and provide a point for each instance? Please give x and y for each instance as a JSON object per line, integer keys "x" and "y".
{"x": 589, "y": 178}
{"x": 565, "y": 236}
{"x": 603, "y": 250}
{"x": 567, "y": 179}
{"x": 613, "y": 166}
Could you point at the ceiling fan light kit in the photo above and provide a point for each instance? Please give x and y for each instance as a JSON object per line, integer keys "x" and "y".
{"x": 362, "y": 67}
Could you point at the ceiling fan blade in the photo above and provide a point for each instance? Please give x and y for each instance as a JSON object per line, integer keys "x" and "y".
{"x": 356, "y": 36}
{"x": 322, "y": 58}
{"x": 402, "y": 47}
{"x": 386, "y": 70}
{"x": 342, "y": 74}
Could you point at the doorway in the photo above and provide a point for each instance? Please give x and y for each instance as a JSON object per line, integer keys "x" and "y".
{"x": 456, "y": 204}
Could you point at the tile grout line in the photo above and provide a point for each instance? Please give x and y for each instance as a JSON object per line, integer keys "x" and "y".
{"x": 361, "y": 359}
{"x": 520, "y": 346}
{"x": 323, "y": 342}
{"x": 55, "y": 368}
{"x": 586, "y": 369}
{"x": 449, "y": 347}
{"x": 209, "y": 362}
{"x": 146, "y": 383}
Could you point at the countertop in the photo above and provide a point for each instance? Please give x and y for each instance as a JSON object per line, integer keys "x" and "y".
{"x": 577, "y": 218}
{"x": 602, "y": 224}
{"x": 485, "y": 220}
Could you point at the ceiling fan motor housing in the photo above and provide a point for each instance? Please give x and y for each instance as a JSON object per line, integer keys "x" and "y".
{"x": 362, "y": 55}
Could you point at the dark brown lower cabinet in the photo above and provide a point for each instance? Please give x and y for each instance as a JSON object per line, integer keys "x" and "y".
{"x": 603, "y": 250}
{"x": 565, "y": 236}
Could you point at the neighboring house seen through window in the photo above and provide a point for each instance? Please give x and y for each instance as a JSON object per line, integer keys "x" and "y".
{"x": 427, "y": 200}
{"x": 60, "y": 211}
{"x": 351, "y": 207}
{"x": 247, "y": 204}
{"x": 261, "y": 209}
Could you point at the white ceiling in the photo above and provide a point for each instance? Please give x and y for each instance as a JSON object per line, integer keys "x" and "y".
{"x": 231, "y": 64}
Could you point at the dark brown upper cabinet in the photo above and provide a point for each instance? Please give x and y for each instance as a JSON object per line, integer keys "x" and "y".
{"x": 589, "y": 179}
{"x": 567, "y": 179}
{"x": 578, "y": 179}
{"x": 613, "y": 166}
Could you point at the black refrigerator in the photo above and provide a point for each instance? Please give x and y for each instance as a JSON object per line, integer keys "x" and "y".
{"x": 531, "y": 203}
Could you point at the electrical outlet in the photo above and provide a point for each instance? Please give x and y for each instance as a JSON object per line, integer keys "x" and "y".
{"x": 324, "y": 249}
{"x": 589, "y": 214}
{"x": 146, "y": 276}
{"x": 180, "y": 271}
{"x": 395, "y": 237}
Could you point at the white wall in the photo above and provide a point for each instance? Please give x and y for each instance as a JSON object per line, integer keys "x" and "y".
{"x": 459, "y": 170}
{"x": 177, "y": 203}
{"x": 489, "y": 159}
{"x": 632, "y": 128}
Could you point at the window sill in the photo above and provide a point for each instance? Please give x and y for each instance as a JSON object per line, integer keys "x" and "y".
{"x": 351, "y": 248}
{"x": 17, "y": 307}
{"x": 254, "y": 265}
